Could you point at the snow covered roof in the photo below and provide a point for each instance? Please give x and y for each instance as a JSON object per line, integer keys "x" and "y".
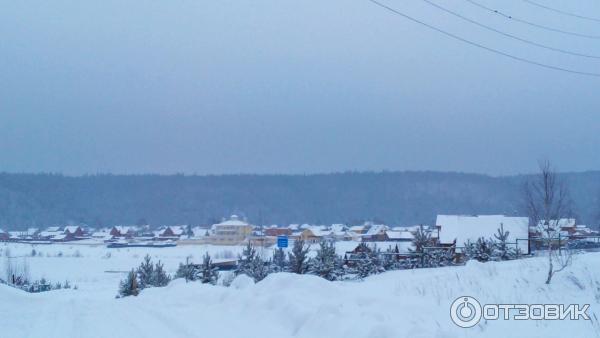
{"x": 409, "y": 228}
{"x": 376, "y": 229}
{"x": 71, "y": 229}
{"x": 177, "y": 229}
{"x": 357, "y": 228}
{"x": 463, "y": 228}
{"x": 319, "y": 230}
{"x": 233, "y": 220}
{"x": 53, "y": 229}
{"x": 399, "y": 235}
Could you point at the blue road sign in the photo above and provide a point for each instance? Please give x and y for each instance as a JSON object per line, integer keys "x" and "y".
{"x": 282, "y": 241}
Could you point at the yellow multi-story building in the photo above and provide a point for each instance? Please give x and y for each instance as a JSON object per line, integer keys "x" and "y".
{"x": 230, "y": 232}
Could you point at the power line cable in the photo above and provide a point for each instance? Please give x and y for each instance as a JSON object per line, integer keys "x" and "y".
{"x": 564, "y": 51}
{"x": 561, "y": 11}
{"x": 548, "y": 28}
{"x": 476, "y": 44}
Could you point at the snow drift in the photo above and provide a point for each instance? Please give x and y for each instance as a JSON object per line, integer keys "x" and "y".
{"x": 409, "y": 303}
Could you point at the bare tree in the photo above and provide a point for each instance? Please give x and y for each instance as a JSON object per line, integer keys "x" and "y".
{"x": 547, "y": 200}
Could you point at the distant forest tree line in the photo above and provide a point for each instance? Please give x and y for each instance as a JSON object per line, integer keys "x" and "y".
{"x": 404, "y": 198}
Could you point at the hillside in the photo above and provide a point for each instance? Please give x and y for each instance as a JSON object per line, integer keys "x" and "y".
{"x": 393, "y": 197}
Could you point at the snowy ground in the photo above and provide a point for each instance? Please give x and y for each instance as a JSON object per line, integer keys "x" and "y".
{"x": 411, "y": 303}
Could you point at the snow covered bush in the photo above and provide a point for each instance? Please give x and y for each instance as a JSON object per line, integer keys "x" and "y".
{"x": 482, "y": 250}
{"x": 129, "y": 286}
{"x": 209, "y": 274}
{"x": 187, "y": 271}
{"x": 326, "y": 264}
{"x": 159, "y": 276}
{"x": 145, "y": 276}
{"x": 279, "y": 262}
{"x": 245, "y": 260}
{"x": 502, "y": 250}
{"x": 299, "y": 257}
{"x": 252, "y": 264}
{"x": 145, "y": 272}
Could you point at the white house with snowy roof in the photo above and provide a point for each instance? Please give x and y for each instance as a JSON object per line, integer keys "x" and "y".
{"x": 462, "y": 228}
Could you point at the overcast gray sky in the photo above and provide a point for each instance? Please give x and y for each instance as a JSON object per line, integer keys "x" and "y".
{"x": 281, "y": 86}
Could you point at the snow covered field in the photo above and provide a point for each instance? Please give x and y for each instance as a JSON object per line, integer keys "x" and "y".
{"x": 409, "y": 303}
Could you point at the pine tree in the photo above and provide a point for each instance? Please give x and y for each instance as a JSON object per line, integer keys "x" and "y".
{"x": 299, "y": 257}
{"x": 481, "y": 250}
{"x": 159, "y": 276}
{"x": 368, "y": 261}
{"x": 326, "y": 263}
{"x": 188, "y": 231}
{"x": 390, "y": 259}
{"x": 245, "y": 260}
{"x": 208, "y": 272}
{"x": 129, "y": 286}
{"x": 279, "y": 263}
{"x": 187, "y": 271}
{"x": 501, "y": 250}
{"x": 145, "y": 273}
{"x": 258, "y": 269}
{"x": 422, "y": 241}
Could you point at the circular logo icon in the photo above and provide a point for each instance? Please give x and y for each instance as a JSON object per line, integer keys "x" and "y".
{"x": 465, "y": 311}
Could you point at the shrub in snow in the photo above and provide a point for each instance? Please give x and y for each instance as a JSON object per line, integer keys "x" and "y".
{"x": 159, "y": 276}
{"x": 259, "y": 268}
{"x": 299, "y": 257}
{"x": 245, "y": 260}
{"x": 502, "y": 250}
{"x": 368, "y": 262}
{"x": 252, "y": 264}
{"x": 145, "y": 272}
{"x": 279, "y": 262}
{"x": 208, "y": 272}
{"x": 482, "y": 250}
{"x": 187, "y": 271}
{"x": 422, "y": 239}
{"x": 129, "y": 286}
{"x": 390, "y": 259}
{"x": 17, "y": 271}
{"x": 326, "y": 263}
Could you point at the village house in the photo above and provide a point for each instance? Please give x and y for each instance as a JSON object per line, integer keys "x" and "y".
{"x": 459, "y": 229}
{"x": 398, "y": 236}
{"x": 124, "y": 231}
{"x": 233, "y": 231}
{"x": 358, "y": 229}
{"x": 171, "y": 232}
{"x": 74, "y": 231}
{"x": 375, "y": 233}
{"x": 276, "y": 231}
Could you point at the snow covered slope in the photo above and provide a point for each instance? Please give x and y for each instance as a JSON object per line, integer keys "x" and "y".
{"x": 411, "y": 303}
